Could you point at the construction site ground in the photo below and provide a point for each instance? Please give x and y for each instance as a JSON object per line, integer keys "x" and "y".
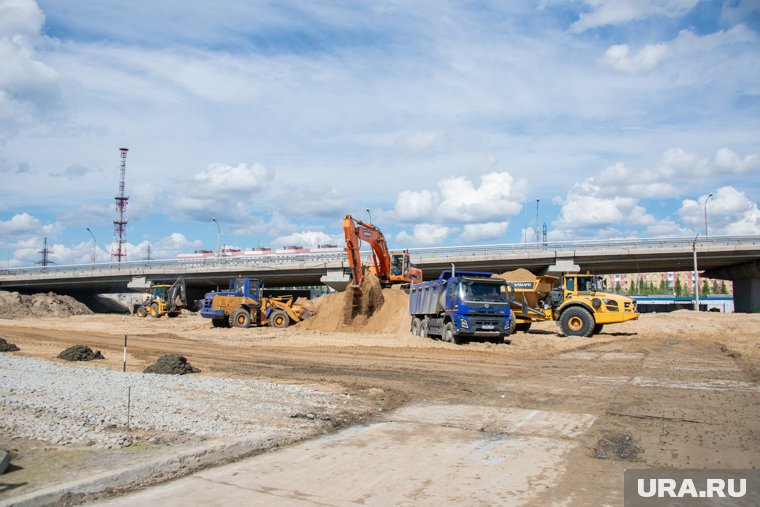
{"x": 547, "y": 420}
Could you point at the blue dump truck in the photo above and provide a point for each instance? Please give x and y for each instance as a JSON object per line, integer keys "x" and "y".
{"x": 460, "y": 306}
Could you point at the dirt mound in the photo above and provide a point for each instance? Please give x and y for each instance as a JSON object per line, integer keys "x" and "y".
{"x": 171, "y": 364}
{"x": 17, "y": 306}
{"x": 517, "y": 275}
{"x": 377, "y": 310}
{"x": 80, "y": 353}
{"x": 7, "y": 347}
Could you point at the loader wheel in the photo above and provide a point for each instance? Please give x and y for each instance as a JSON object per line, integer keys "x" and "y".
{"x": 220, "y": 322}
{"x": 416, "y": 326}
{"x": 241, "y": 318}
{"x": 576, "y": 321}
{"x": 598, "y": 328}
{"x": 154, "y": 311}
{"x": 141, "y": 311}
{"x": 524, "y": 327}
{"x": 278, "y": 318}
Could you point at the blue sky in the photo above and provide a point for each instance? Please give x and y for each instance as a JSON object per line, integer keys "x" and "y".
{"x": 447, "y": 119}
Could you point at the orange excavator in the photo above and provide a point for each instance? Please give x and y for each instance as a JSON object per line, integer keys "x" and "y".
{"x": 390, "y": 267}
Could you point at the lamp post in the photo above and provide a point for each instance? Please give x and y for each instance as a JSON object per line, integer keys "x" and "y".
{"x": 696, "y": 274}
{"x": 708, "y": 198}
{"x": 218, "y": 235}
{"x": 95, "y": 247}
{"x": 370, "y": 215}
{"x": 537, "y": 225}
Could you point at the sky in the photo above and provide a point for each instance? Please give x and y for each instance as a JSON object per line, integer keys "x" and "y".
{"x": 453, "y": 122}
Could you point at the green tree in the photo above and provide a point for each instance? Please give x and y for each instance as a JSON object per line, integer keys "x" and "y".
{"x": 723, "y": 288}
{"x": 618, "y": 289}
{"x": 705, "y": 288}
{"x": 679, "y": 289}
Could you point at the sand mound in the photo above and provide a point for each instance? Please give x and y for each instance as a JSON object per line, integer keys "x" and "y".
{"x": 80, "y": 353}
{"x": 378, "y": 310}
{"x": 518, "y": 275}
{"x": 7, "y": 347}
{"x": 171, "y": 364}
{"x": 17, "y": 306}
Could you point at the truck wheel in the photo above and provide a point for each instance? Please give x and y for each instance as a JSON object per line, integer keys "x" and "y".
{"x": 512, "y": 326}
{"x": 576, "y": 321}
{"x": 279, "y": 319}
{"x": 220, "y": 322}
{"x": 416, "y": 326}
{"x": 154, "y": 311}
{"x": 141, "y": 311}
{"x": 240, "y": 318}
{"x": 448, "y": 334}
{"x": 598, "y": 328}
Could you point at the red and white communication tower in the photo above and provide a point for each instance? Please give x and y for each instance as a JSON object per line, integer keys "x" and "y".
{"x": 119, "y": 254}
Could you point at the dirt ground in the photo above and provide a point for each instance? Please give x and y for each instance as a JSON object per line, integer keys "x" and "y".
{"x": 675, "y": 390}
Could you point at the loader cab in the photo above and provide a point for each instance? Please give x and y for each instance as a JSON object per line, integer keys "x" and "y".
{"x": 584, "y": 283}
{"x": 158, "y": 292}
{"x": 248, "y": 287}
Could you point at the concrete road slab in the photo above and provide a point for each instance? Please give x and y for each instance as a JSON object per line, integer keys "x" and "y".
{"x": 420, "y": 455}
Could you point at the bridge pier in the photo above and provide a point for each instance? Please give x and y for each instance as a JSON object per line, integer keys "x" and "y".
{"x": 746, "y": 278}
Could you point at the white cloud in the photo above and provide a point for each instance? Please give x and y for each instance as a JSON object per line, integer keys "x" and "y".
{"x": 729, "y": 212}
{"x": 27, "y": 85}
{"x": 675, "y": 174}
{"x": 728, "y": 161}
{"x": 459, "y": 200}
{"x": 308, "y": 239}
{"x": 412, "y": 206}
{"x": 618, "y": 12}
{"x": 686, "y": 44}
{"x": 22, "y": 223}
{"x": 240, "y": 179}
{"x": 618, "y": 56}
{"x": 486, "y": 231}
{"x": 424, "y": 235}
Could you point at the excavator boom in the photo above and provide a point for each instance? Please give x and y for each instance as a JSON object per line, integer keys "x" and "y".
{"x": 389, "y": 267}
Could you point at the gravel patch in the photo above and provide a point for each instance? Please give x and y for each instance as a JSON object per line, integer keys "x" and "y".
{"x": 87, "y": 405}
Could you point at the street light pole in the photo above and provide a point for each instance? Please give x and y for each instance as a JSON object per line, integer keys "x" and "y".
{"x": 696, "y": 274}
{"x": 708, "y": 198}
{"x": 95, "y": 247}
{"x": 370, "y": 215}
{"x": 218, "y": 235}
{"x": 538, "y": 238}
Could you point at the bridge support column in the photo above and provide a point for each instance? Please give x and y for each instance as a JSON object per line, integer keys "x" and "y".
{"x": 746, "y": 278}
{"x": 336, "y": 279}
{"x": 747, "y": 295}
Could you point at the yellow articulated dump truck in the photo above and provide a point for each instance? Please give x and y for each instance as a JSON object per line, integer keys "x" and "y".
{"x": 578, "y": 302}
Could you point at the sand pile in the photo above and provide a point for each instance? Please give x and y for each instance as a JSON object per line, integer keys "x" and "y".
{"x": 17, "y": 306}
{"x": 80, "y": 353}
{"x": 518, "y": 275}
{"x": 7, "y": 347}
{"x": 171, "y": 364}
{"x": 378, "y": 310}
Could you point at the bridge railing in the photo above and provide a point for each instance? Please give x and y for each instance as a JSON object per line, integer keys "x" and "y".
{"x": 278, "y": 260}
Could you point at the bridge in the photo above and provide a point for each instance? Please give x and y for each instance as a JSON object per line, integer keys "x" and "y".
{"x": 735, "y": 258}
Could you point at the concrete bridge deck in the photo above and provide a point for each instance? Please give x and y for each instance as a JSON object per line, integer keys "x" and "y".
{"x": 730, "y": 257}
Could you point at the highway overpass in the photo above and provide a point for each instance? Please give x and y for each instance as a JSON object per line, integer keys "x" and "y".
{"x": 734, "y": 258}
